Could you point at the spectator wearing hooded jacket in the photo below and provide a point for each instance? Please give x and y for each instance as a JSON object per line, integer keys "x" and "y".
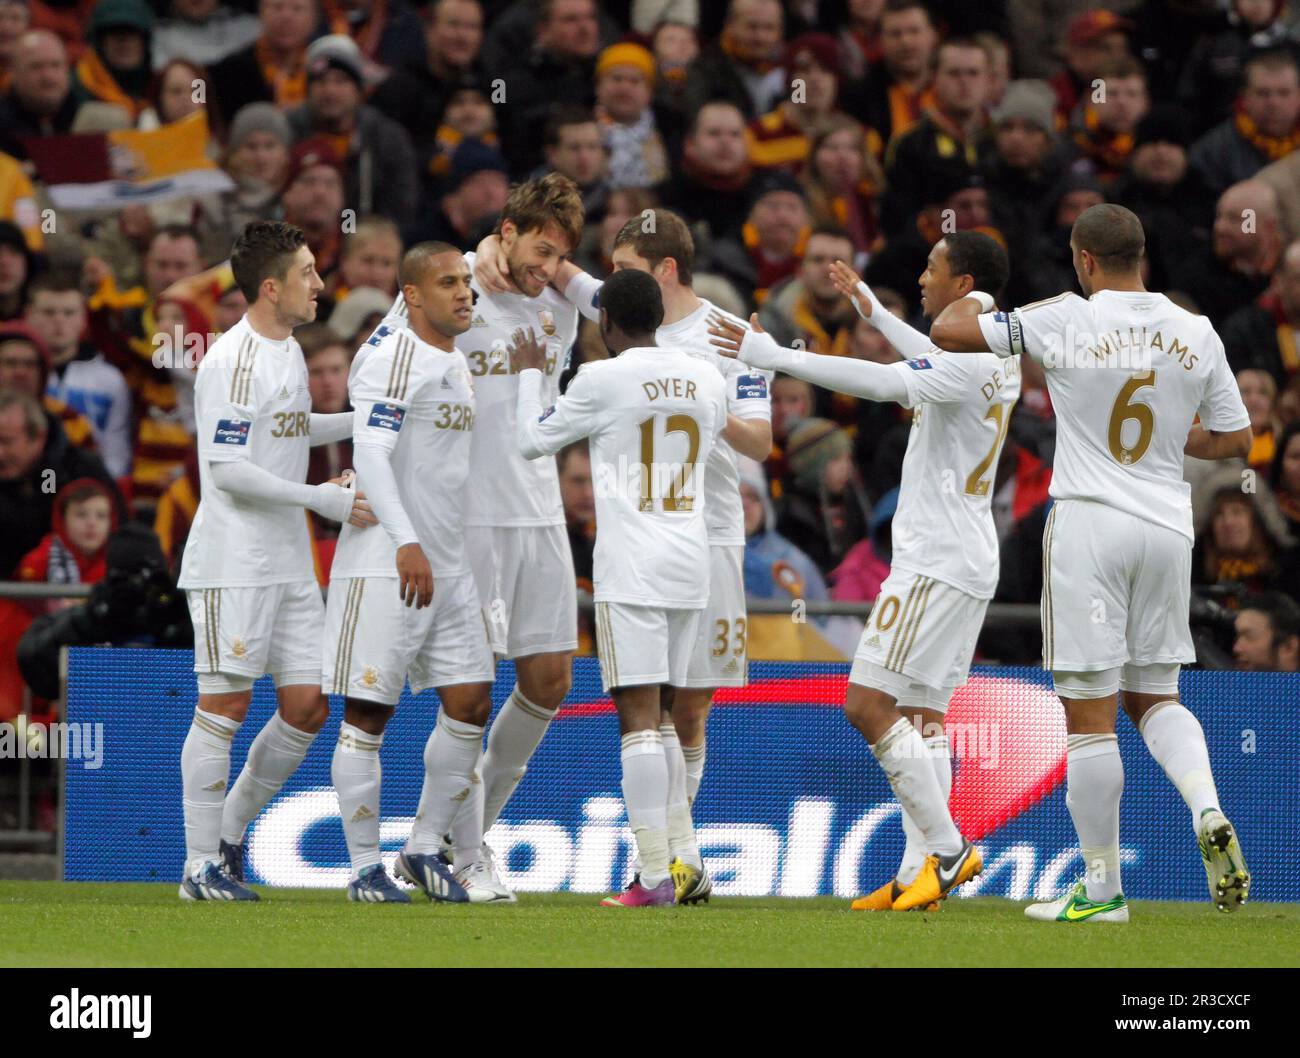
{"x": 1241, "y": 537}
{"x": 73, "y": 551}
{"x": 25, "y": 367}
{"x": 117, "y": 67}
{"x": 824, "y": 509}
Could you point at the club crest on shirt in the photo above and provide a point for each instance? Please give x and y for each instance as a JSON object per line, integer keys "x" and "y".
{"x": 547, "y": 319}
{"x": 232, "y": 431}
{"x": 386, "y": 417}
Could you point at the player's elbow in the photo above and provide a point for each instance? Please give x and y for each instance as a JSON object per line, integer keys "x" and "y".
{"x": 1242, "y": 442}
{"x": 756, "y": 442}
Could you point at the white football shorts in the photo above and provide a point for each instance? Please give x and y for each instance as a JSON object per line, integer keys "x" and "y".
{"x": 1116, "y": 590}
{"x": 527, "y": 586}
{"x": 248, "y": 632}
{"x": 919, "y": 641}
{"x": 644, "y": 644}
{"x": 374, "y": 641}
{"x": 720, "y": 657}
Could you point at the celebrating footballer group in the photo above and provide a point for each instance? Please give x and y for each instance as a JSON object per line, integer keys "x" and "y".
{"x": 454, "y": 551}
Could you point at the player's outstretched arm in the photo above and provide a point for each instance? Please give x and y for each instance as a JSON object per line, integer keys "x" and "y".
{"x": 539, "y": 434}
{"x": 1207, "y": 444}
{"x": 245, "y": 479}
{"x": 858, "y": 378}
{"x": 328, "y": 427}
{"x": 905, "y": 338}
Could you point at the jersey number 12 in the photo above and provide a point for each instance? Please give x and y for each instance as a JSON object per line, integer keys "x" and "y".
{"x": 673, "y": 500}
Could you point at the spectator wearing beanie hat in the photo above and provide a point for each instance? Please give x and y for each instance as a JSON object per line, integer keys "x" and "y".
{"x": 1165, "y": 192}
{"x": 1022, "y": 161}
{"x": 313, "y": 199}
{"x": 782, "y": 138}
{"x": 625, "y": 80}
{"x": 257, "y": 159}
{"x": 772, "y": 241}
{"x": 476, "y": 193}
{"x": 823, "y": 508}
{"x": 116, "y": 68}
{"x": 379, "y": 170}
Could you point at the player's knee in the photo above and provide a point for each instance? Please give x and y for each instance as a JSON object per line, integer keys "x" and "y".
{"x": 547, "y": 686}
{"x": 305, "y": 712}
{"x": 689, "y": 719}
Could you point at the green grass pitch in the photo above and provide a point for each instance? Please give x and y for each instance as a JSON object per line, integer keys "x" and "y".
{"x": 67, "y": 924}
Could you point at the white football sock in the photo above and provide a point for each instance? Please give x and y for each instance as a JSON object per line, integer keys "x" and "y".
{"x": 449, "y": 759}
{"x": 1094, "y": 783}
{"x": 205, "y": 770}
{"x": 681, "y": 831}
{"x": 645, "y": 792}
{"x": 516, "y": 733}
{"x": 274, "y": 755}
{"x": 906, "y": 761}
{"x": 1176, "y": 740}
{"x": 467, "y": 827}
{"x": 356, "y": 773}
{"x": 914, "y": 851}
{"x": 694, "y": 757}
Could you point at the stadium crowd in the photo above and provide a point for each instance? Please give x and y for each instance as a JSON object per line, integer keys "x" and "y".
{"x": 788, "y": 135}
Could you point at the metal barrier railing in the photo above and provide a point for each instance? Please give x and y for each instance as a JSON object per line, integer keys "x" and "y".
{"x": 27, "y": 837}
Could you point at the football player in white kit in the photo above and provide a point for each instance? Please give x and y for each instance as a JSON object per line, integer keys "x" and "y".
{"x": 402, "y": 597}
{"x": 1128, "y": 373}
{"x": 917, "y": 647}
{"x": 652, "y": 415}
{"x": 247, "y": 568}
{"x": 658, "y": 241}
{"x": 515, "y": 537}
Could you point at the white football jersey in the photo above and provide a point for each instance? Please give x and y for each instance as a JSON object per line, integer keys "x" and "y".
{"x": 250, "y": 402}
{"x": 415, "y": 402}
{"x": 652, "y": 416}
{"x": 1128, "y": 372}
{"x": 748, "y": 391}
{"x": 943, "y": 527}
{"x": 504, "y": 488}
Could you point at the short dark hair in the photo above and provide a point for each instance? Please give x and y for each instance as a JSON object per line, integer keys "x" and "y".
{"x": 415, "y": 263}
{"x": 1283, "y": 613}
{"x": 317, "y": 337}
{"x": 669, "y": 237}
{"x": 579, "y": 447}
{"x": 176, "y": 231}
{"x": 894, "y": 7}
{"x": 831, "y": 231}
{"x": 1112, "y": 234}
{"x": 263, "y": 250}
{"x": 633, "y": 301}
{"x": 564, "y": 115}
{"x": 55, "y": 281}
{"x": 974, "y": 254}
{"x": 1272, "y": 59}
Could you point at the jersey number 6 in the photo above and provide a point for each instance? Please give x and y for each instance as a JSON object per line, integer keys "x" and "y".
{"x": 1125, "y": 409}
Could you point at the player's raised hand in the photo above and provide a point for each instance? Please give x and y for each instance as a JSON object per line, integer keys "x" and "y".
{"x": 491, "y": 270}
{"x": 728, "y": 334}
{"x": 527, "y": 350}
{"x": 415, "y": 577}
{"x": 846, "y": 282}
